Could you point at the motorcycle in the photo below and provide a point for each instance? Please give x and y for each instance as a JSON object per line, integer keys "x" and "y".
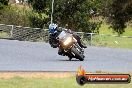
{"x": 70, "y": 46}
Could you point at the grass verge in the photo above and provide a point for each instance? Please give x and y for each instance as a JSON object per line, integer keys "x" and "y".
{"x": 104, "y": 29}
{"x": 4, "y": 35}
{"x": 112, "y": 41}
{"x": 51, "y": 82}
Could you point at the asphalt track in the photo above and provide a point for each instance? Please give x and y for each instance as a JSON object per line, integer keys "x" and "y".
{"x": 31, "y": 56}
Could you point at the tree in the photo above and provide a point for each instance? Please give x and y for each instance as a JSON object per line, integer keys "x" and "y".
{"x": 40, "y": 8}
{"x": 74, "y": 14}
{"x": 119, "y": 12}
{"x": 38, "y": 5}
{"x": 3, "y": 3}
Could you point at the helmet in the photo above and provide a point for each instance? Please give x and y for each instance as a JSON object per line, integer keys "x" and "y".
{"x": 52, "y": 28}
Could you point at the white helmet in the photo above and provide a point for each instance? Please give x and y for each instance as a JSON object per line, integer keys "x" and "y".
{"x": 52, "y": 28}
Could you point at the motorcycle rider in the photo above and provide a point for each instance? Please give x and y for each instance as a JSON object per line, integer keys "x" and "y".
{"x": 54, "y": 32}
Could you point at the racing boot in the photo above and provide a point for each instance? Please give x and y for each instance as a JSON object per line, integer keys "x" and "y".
{"x": 81, "y": 45}
{"x": 79, "y": 41}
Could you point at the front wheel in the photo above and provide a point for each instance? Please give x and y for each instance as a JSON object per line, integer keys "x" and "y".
{"x": 78, "y": 55}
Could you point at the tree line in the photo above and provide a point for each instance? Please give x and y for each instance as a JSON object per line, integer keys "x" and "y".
{"x": 77, "y": 14}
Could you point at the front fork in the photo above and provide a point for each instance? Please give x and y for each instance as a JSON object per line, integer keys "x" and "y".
{"x": 81, "y": 49}
{"x": 72, "y": 55}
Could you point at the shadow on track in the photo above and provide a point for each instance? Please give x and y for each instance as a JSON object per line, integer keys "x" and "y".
{"x": 70, "y": 60}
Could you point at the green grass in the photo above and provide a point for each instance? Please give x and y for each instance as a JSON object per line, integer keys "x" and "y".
{"x": 111, "y": 41}
{"x": 70, "y": 82}
{"x": 104, "y": 29}
{"x": 128, "y": 31}
{"x": 4, "y": 35}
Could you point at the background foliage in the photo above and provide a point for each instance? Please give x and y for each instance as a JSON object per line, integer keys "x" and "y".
{"x": 118, "y": 12}
{"x": 78, "y": 15}
{"x": 3, "y": 3}
{"x": 73, "y": 14}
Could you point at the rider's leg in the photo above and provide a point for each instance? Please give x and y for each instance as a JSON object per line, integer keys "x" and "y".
{"x": 79, "y": 41}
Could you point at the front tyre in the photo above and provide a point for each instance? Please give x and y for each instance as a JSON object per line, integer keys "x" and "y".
{"x": 78, "y": 55}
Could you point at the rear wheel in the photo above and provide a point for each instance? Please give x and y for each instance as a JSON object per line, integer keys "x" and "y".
{"x": 78, "y": 55}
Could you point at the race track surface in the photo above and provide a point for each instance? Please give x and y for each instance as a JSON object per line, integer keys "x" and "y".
{"x": 31, "y": 56}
